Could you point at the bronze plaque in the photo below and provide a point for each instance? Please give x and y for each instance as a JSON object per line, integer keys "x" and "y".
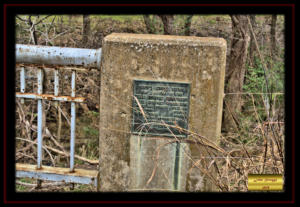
{"x": 160, "y": 108}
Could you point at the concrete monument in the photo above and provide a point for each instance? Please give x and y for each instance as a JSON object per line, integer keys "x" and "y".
{"x": 155, "y": 91}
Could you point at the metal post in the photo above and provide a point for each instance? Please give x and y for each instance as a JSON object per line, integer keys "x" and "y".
{"x": 73, "y": 124}
{"x": 40, "y": 119}
{"x": 57, "y": 105}
{"x": 23, "y": 84}
{"x": 56, "y": 82}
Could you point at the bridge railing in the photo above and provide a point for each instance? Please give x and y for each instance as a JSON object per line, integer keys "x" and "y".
{"x": 32, "y": 54}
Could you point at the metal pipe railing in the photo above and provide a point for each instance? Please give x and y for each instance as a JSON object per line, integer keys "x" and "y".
{"x": 49, "y": 55}
{"x": 73, "y": 125}
{"x": 49, "y": 97}
{"x": 40, "y": 120}
{"x": 22, "y": 82}
{"x": 54, "y": 56}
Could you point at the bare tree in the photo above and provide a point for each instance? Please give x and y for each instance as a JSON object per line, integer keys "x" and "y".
{"x": 252, "y": 42}
{"x": 273, "y": 35}
{"x": 61, "y": 22}
{"x": 86, "y": 28}
{"x": 32, "y": 23}
{"x": 236, "y": 71}
{"x": 168, "y": 22}
{"x": 149, "y": 24}
{"x": 70, "y": 19}
{"x": 32, "y": 30}
{"x": 187, "y": 25}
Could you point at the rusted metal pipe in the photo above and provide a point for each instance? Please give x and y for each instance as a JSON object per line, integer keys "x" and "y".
{"x": 22, "y": 80}
{"x": 56, "y": 82}
{"x": 49, "y": 97}
{"x": 73, "y": 123}
{"x": 23, "y": 83}
{"x": 56, "y": 85}
{"x": 40, "y": 121}
{"x": 49, "y": 55}
{"x": 58, "y": 174}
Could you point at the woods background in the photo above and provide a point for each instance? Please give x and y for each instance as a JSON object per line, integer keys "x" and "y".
{"x": 253, "y": 114}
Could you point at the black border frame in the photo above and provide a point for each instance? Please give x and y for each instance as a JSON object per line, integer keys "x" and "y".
{"x": 9, "y": 196}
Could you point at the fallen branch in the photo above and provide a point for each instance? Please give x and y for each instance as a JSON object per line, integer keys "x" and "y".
{"x": 43, "y": 185}
{"x": 93, "y": 162}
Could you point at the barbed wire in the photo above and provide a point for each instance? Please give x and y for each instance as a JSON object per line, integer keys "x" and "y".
{"x": 244, "y": 158}
{"x": 249, "y": 93}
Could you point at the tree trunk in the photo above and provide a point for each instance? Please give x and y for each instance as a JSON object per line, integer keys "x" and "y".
{"x": 70, "y": 20}
{"x": 187, "y": 25}
{"x": 85, "y": 29}
{"x": 32, "y": 31}
{"x": 273, "y": 35}
{"x": 252, "y": 42}
{"x": 236, "y": 72}
{"x": 149, "y": 24}
{"x": 168, "y": 21}
{"x": 61, "y": 30}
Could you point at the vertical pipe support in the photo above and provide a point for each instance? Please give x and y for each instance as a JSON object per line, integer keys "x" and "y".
{"x": 40, "y": 120}
{"x": 56, "y": 103}
{"x": 73, "y": 123}
{"x": 23, "y": 83}
{"x": 56, "y": 82}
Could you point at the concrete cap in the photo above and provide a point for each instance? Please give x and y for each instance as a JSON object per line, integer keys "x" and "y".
{"x": 150, "y": 39}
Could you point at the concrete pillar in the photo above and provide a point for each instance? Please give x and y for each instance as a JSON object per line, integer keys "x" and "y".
{"x": 133, "y": 162}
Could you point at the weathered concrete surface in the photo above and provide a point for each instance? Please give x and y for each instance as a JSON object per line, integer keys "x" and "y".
{"x": 126, "y": 161}
{"x": 157, "y": 164}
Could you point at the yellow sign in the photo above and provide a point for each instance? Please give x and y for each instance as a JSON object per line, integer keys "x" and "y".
{"x": 265, "y": 182}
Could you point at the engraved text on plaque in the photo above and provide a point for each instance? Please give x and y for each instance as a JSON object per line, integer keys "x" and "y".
{"x": 159, "y": 106}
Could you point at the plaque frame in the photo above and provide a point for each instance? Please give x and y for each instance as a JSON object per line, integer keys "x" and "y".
{"x": 149, "y": 134}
